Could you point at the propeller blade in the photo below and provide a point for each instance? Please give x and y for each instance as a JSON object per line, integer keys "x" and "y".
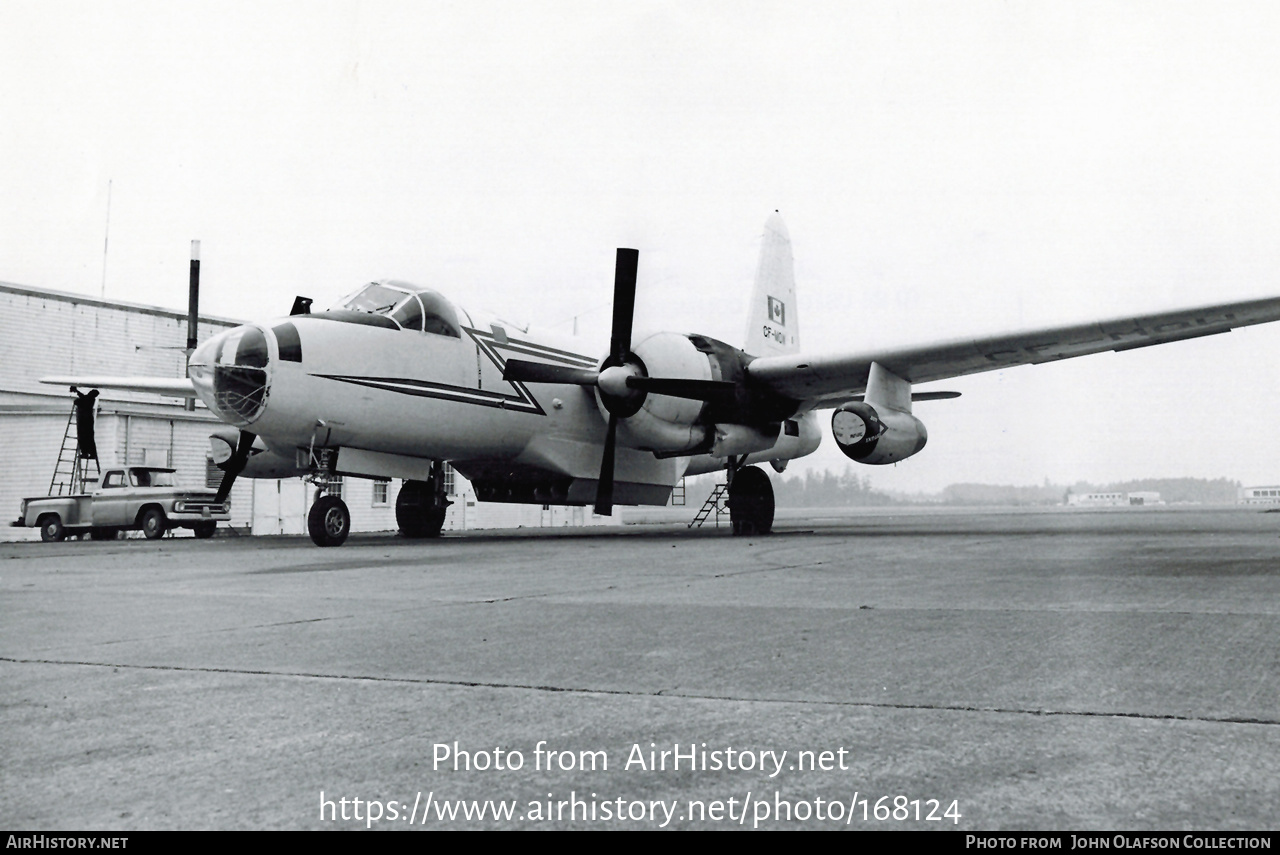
{"x": 542, "y": 372}
{"x": 235, "y": 465}
{"x": 624, "y": 302}
{"x": 697, "y": 390}
{"x": 604, "y": 488}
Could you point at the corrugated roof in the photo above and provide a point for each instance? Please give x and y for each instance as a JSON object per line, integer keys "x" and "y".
{"x": 50, "y": 294}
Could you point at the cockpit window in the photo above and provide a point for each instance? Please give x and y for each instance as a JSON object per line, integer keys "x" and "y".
{"x": 417, "y": 309}
{"x": 439, "y": 316}
{"x": 375, "y": 297}
{"x": 409, "y": 314}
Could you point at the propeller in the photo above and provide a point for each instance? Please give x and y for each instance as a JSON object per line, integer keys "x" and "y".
{"x": 235, "y": 465}
{"x": 622, "y": 380}
{"x": 624, "y": 308}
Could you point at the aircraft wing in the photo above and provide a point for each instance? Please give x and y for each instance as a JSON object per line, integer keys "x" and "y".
{"x": 177, "y": 387}
{"x": 827, "y": 380}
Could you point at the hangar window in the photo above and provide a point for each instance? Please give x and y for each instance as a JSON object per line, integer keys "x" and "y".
{"x": 212, "y": 474}
{"x": 152, "y": 478}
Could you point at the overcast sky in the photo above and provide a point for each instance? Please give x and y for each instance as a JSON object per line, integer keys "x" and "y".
{"x": 943, "y": 168}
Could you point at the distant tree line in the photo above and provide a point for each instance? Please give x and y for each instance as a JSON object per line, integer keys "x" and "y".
{"x": 1172, "y": 491}
{"x": 823, "y": 489}
{"x": 827, "y": 489}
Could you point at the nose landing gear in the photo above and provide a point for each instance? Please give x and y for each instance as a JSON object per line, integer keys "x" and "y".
{"x": 329, "y": 521}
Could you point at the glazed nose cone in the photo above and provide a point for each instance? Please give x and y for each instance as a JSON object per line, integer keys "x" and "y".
{"x": 231, "y": 374}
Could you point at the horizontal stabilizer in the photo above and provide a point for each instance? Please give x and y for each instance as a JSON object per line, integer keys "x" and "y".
{"x": 175, "y": 387}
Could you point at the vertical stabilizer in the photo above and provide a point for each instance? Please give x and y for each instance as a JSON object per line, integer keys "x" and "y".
{"x": 772, "y": 320}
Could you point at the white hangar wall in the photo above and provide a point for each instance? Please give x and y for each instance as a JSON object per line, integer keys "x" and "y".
{"x": 46, "y": 332}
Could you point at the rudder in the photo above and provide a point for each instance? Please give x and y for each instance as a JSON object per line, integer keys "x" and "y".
{"x": 772, "y": 323}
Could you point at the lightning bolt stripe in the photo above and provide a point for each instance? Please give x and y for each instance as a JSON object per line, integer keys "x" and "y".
{"x": 490, "y": 346}
{"x": 522, "y": 401}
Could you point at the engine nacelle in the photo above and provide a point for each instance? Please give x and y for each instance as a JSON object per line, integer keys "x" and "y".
{"x": 873, "y": 436}
{"x": 667, "y": 425}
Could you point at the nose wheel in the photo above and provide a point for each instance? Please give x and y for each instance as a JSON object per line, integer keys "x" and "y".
{"x": 329, "y": 521}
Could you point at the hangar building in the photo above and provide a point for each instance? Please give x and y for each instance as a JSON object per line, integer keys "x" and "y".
{"x": 44, "y": 332}
{"x": 1259, "y": 495}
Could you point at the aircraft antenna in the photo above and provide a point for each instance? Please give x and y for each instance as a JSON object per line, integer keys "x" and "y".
{"x": 106, "y": 237}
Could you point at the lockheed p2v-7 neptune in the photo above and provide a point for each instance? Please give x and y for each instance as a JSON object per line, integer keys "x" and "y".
{"x": 397, "y": 381}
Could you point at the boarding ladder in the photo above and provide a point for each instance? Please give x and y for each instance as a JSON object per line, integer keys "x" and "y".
{"x": 72, "y": 466}
{"x": 678, "y": 495}
{"x": 715, "y": 503}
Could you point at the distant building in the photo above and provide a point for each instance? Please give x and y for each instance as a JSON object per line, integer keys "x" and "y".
{"x": 1113, "y": 500}
{"x": 1096, "y": 499}
{"x": 45, "y": 332}
{"x": 1259, "y": 496}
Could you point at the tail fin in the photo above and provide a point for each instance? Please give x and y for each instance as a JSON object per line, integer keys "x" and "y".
{"x": 772, "y": 320}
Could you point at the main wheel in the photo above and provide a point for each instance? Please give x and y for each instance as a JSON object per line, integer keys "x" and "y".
{"x": 415, "y": 515}
{"x": 329, "y": 521}
{"x": 51, "y": 530}
{"x": 103, "y": 533}
{"x": 154, "y": 524}
{"x": 205, "y": 528}
{"x": 751, "y": 502}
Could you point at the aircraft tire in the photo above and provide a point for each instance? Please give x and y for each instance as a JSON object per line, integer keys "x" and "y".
{"x": 329, "y": 521}
{"x": 103, "y": 533}
{"x": 415, "y": 517}
{"x": 51, "y": 530}
{"x": 153, "y": 524}
{"x": 204, "y": 529}
{"x": 751, "y": 502}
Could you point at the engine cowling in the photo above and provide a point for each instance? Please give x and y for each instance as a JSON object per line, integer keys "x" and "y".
{"x": 665, "y": 424}
{"x": 877, "y": 436}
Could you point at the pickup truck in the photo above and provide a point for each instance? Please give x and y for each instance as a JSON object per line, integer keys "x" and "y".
{"x": 133, "y": 497}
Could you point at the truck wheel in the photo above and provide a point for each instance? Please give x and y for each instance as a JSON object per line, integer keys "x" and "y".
{"x": 329, "y": 521}
{"x": 51, "y": 530}
{"x": 204, "y": 529}
{"x": 154, "y": 523}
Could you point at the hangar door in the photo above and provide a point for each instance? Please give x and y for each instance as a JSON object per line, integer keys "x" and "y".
{"x": 280, "y": 507}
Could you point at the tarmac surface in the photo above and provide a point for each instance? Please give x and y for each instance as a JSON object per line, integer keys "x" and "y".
{"x": 1113, "y": 669}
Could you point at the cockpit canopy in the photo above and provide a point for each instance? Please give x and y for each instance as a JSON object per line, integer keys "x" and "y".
{"x": 411, "y": 307}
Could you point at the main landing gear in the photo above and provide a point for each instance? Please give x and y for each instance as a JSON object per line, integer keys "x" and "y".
{"x": 422, "y": 505}
{"x": 750, "y": 500}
